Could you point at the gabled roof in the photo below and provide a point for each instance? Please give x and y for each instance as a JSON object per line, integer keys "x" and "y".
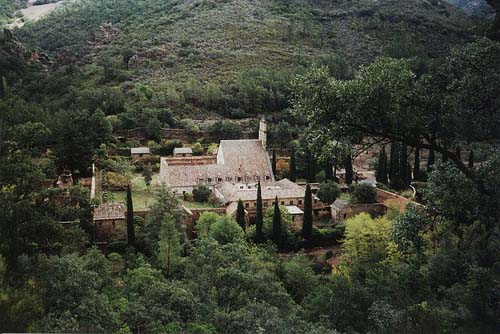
{"x": 246, "y": 159}
{"x": 338, "y": 204}
{"x": 107, "y": 211}
{"x": 139, "y": 150}
{"x": 232, "y": 192}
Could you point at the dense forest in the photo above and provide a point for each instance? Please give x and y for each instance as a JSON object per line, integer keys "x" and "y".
{"x": 333, "y": 78}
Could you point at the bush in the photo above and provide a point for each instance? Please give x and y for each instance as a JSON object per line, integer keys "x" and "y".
{"x": 197, "y": 149}
{"x": 363, "y": 194}
{"x": 201, "y": 194}
{"x": 328, "y": 192}
{"x": 167, "y": 146}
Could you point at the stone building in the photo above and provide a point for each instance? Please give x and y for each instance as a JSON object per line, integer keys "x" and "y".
{"x": 139, "y": 153}
{"x": 183, "y": 152}
{"x": 110, "y": 222}
{"x": 237, "y": 161}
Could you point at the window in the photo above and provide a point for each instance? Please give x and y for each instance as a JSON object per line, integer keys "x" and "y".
{"x": 267, "y": 177}
{"x": 257, "y": 178}
{"x": 291, "y": 202}
{"x": 229, "y": 178}
{"x": 255, "y": 204}
{"x": 293, "y": 218}
{"x": 209, "y": 180}
{"x": 300, "y": 202}
{"x": 239, "y": 179}
{"x": 113, "y": 223}
{"x": 200, "y": 180}
{"x": 219, "y": 179}
{"x": 345, "y": 215}
{"x": 282, "y": 202}
{"x": 247, "y": 205}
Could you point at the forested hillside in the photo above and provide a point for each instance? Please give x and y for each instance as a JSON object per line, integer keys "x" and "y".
{"x": 233, "y": 58}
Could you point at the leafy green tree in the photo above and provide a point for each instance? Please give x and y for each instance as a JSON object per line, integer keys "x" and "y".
{"x": 201, "y": 193}
{"x": 147, "y": 173}
{"x": 197, "y": 149}
{"x": 226, "y": 230}
{"x": 259, "y": 216}
{"x": 363, "y": 194}
{"x": 205, "y": 223}
{"x": 240, "y": 215}
{"x": 169, "y": 246}
{"x": 328, "y": 192}
{"x": 130, "y": 218}
{"x": 307, "y": 223}
{"x": 154, "y": 130}
{"x": 298, "y": 277}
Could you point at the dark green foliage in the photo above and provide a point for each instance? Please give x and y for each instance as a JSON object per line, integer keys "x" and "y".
{"x": 430, "y": 161}
{"x": 130, "y": 218}
{"x": 226, "y": 130}
{"x": 273, "y": 162}
{"x": 349, "y": 173}
{"x": 328, "y": 192}
{"x": 276, "y": 227}
{"x": 293, "y": 165}
{"x": 403, "y": 168}
{"x": 363, "y": 194}
{"x": 240, "y": 215}
{"x": 471, "y": 159}
{"x": 201, "y": 193}
{"x": 382, "y": 173}
{"x": 259, "y": 216}
{"x": 416, "y": 165}
{"x": 307, "y": 224}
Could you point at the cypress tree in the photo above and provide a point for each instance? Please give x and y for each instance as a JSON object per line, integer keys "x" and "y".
{"x": 276, "y": 228}
{"x": 349, "y": 174}
{"x": 259, "y": 217}
{"x": 307, "y": 222}
{"x": 240, "y": 215}
{"x": 312, "y": 168}
{"x": 458, "y": 152}
{"x": 430, "y": 161}
{"x": 403, "y": 167}
{"x": 273, "y": 162}
{"x": 416, "y": 164}
{"x": 471, "y": 159}
{"x": 293, "y": 165}
{"x": 394, "y": 163}
{"x": 382, "y": 167}
{"x": 130, "y": 218}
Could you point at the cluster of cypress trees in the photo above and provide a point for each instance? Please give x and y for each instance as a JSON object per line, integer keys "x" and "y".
{"x": 395, "y": 170}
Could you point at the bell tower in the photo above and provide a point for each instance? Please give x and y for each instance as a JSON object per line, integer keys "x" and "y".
{"x": 263, "y": 132}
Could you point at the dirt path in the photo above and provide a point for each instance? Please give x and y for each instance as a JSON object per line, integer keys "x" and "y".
{"x": 34, "y": 13}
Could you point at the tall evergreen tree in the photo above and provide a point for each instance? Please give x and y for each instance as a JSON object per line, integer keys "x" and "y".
{"x": 471, "y": 159}
{"x": 311, "y": 168}
{"x": 293, "y": 165}
{"x": 430, "y": 161}
{"x": 394, "y": 164}
{"x": 274, "y": 162}
{"x": 240, "y": 215}
{"x": 130, "y": 218}
{"x": 458, "y": 152}
{"x": 307, "y": 222}
{"x": 276, "y": 228}
{"x": 382, "y": 167}
{"x": 169, "y": 246}
{"x": 403, "y": 168}
{"x": 259, "y": 217}
{"x": 349, "y": 173}
{"x": 416, "y": 164}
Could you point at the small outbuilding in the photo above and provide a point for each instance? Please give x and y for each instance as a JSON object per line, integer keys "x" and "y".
{"x": 110, "y": 222}
{"x": 139, "y": 153}
{"x": 183, "y": 152}
{"x": 296, "y": 213}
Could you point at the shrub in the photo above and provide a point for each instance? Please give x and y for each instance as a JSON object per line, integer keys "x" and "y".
{"x": 201, "y": 194}
{"x": 328, "y": 192}
{"x": 363, "y": 194}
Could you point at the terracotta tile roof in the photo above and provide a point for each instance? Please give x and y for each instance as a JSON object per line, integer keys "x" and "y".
{"x": 232, "y": 192}
{"x": 109, "y": 211}
{"x": 246, "y": 159}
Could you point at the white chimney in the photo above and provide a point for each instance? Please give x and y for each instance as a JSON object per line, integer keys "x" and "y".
{"x": 263, "y": 132}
